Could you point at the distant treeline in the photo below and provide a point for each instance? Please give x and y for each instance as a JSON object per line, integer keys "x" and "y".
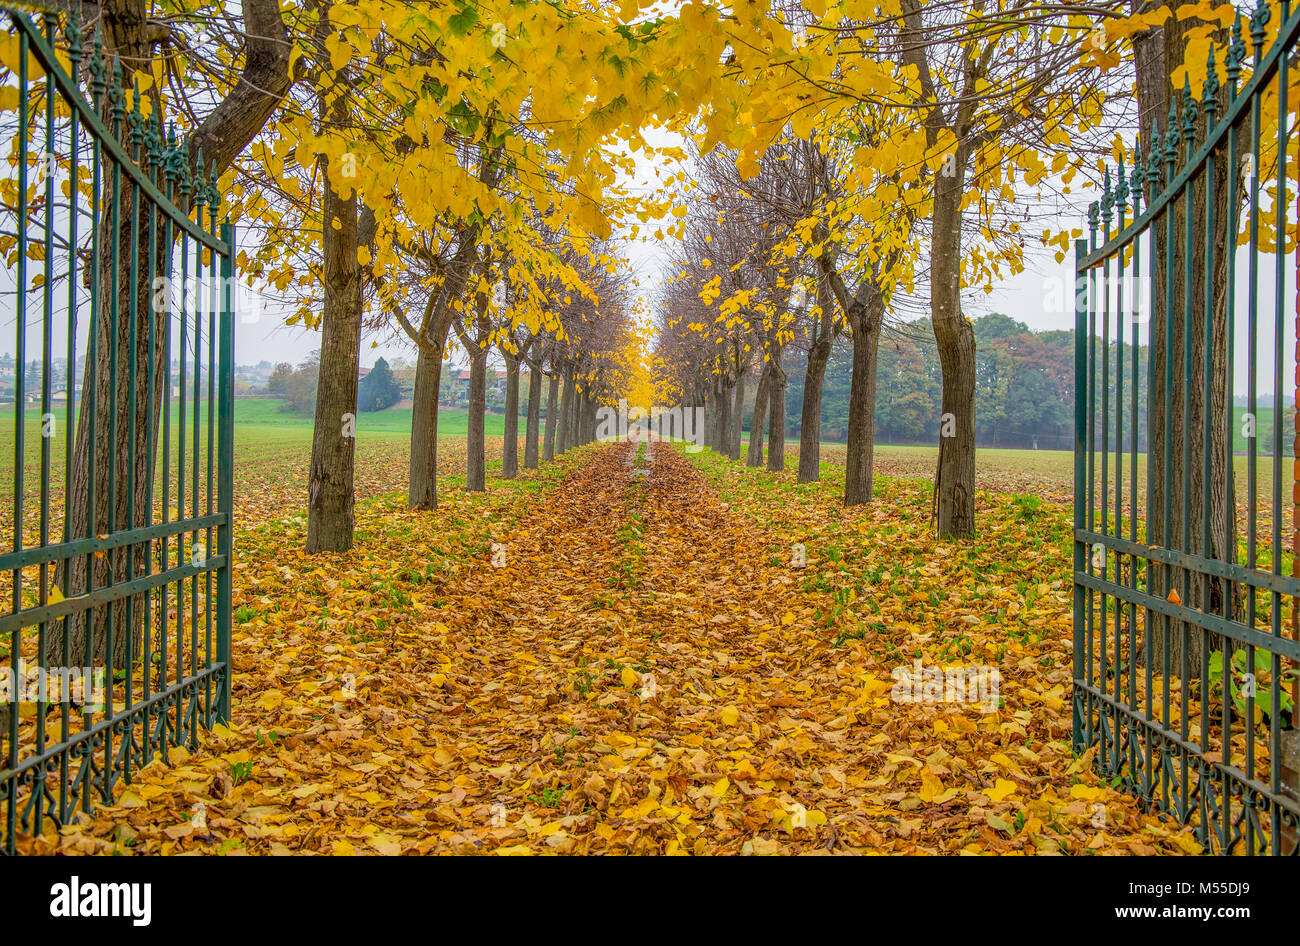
{"x": 1024, "y": 390}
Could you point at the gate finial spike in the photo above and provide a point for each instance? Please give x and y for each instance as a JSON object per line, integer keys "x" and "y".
{"x": 1107, "y": 200}
{"x": 1121, "y": 192}
{"x": 214, "y": 195}
{"x": 172, "y": 160}
{"x": 1171, "y": 141}
{"x": 134, "y": 119}
{"x": 1136, "y": 178}
{"x": 1189, "y": 110}
{"x": 200, "y": 185}
{"x": 98, "y": 71}
{"x": 74, "y": 38}
{"x": 154, "y": 143}
{"x": 1236, "y": 55}
{"x": 1210, "y": 90}
{"x": 1259, "y": 25}
{"x": 1153, "y": 161}
{"x": 117, "y": 97}
{"x": 186, "y": 169}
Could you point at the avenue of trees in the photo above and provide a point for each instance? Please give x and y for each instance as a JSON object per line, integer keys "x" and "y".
{"x": 914, "y": 183}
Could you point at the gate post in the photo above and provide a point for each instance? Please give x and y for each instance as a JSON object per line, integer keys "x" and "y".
{"x": 1290, "y": 740}
{"x": 1080, "y": 446}
{"x": 226, "y": 471}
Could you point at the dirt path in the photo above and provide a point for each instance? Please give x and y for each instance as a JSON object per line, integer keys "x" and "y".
{"x": 641, "y": 697}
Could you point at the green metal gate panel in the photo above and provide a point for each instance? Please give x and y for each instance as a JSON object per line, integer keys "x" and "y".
{"x": 1184, "y": 650}
{"x": 117, "y": 419}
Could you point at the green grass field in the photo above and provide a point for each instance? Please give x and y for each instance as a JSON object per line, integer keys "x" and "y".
{"x": 272, "y": 448}
{"x": 1006, "y": 470}
{"x": 259, "y": 423}
{"x": 265, "y": 414}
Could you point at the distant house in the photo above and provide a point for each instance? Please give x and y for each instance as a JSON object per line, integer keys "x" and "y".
{"x": 460, "y": 388}
{"x": 457, "y": 389}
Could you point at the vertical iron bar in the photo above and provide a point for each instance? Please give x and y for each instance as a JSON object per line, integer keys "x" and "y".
{"x": 151, "y": 438}
{"x": 47, "y": 420}
{"x": 1281, "y": 202}
{"x": 218, "y": 273}
{"x": 226, "y": 477}
{"x": 92, "y": 400}
{"x": 69, "y": 443}
{"x": 1081, "y": 487}
{"x": 20, "y": 393}
{"x": 133, "y": 367}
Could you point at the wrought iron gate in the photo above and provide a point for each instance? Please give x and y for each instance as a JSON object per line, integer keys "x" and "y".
{"x": 115, "y": 621}
{"x": 1185, "y": 650}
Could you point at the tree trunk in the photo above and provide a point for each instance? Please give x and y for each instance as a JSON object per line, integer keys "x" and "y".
{"x": 510, "y": 450}
{"x": 475, "y": 459}
{"x": 329, "y": 486}
{"x": 570, "y": 394}
{"x": 724, "y": 420}
{"x": 737, "y": 417}
{"x": 552, "y": 415}
{"x": 810, "y": 417}
{"x": 710, "y": 420}
{"x": 576, "y": 422}
{"x": 716, "y": 397}
{"x": 859, "y": 474}
{"x": 589, "y": 419}
{"x": 534, "y": 416}
{"x": 955, "y": 337}
{"x": 423, "y": 489}
{"x": 776, "y": 413}
{"x": 759, "y": 419}
{"x": 573, "y": 412}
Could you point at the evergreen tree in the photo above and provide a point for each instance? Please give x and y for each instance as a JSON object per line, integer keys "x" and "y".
{"x": 379, "y": 389}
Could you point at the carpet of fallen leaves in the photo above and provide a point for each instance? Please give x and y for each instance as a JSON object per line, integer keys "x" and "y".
{"x": 617, "y": 654}
{"x": 271, "y": 477}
